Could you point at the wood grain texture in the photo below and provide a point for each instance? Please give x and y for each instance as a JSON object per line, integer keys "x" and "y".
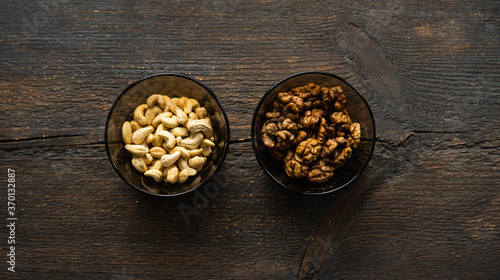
{"x": 427, "y": 206}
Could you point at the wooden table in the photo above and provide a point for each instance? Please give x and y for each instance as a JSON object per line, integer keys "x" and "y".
{"x": 427, "y": 206}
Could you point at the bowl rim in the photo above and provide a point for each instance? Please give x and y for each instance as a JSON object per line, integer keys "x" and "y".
{"x": 224, "y": 153}
{"x": 254, "y": 140}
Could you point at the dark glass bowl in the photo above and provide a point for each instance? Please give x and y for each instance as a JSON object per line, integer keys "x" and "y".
{"x": 358, "y": 111}
{"x": 173, "y": 85}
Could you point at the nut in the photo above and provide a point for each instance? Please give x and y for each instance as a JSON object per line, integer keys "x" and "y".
{"x": 135, "y": 126}
{"x": 309, "y": 129}
{"x": 328, "y": 148}
{"x": 170, "y": 122}
{"x": 312, "y": 117}
{"x": 190, "y": 105}
{"x": 181, "y": 101}
{"x": 201, "y": 125}
{"x": 182, "y": 118}
{"x": 169, "y": 138}
{"x": 157, "y": 120}
{"x": 171, "y": 174}
{"x": 316, "y": 175}
{"x": 355, "y": 130}
{"x": 168, "y": 102}
{"x": 207, "y": 146}
{"x": 139, "y": 114}
{"x": 197, "y": 162}
{"x": 139, "y": 164}
{"x": 157, "y": 152}
{"x": 340, "y": 157}
{"x": 127, "y": 132}
{"x": 183, "y": 176}
{"x": 201, "y": 112}
{"x": 169, "y": 159}
{"x": 192, "y": 116}
{"x": 137, "y": 150}
{"x": 195, "y": 152}
{"x": 152, "y": 112}
{"x": 148, "y": 158}
{"x": 157, "y": 139}
{"x": 183, "y": 165}
{"x": 156, "y": 164}
{"x": 156, "y": 174}
{"x": 149, "y": 139}
{"x": 180, "y": 131}
{"x": 140, "y": 135}
{"x": 307, "y": 151}
{"x": 191, "y": 142}
{"x": 184, "y": 152}
{"x": 294, "y": 168}
{"x": 156, "y": 99}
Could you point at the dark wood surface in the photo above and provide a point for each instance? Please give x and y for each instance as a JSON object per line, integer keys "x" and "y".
{"x": 427, "y": 206}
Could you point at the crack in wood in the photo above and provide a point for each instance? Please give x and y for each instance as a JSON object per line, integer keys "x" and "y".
{"x": 43, "y": 137}
{"x": 341, "y": 207}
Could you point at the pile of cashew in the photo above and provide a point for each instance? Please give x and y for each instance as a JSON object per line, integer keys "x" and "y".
{"x": 169, "y": 138}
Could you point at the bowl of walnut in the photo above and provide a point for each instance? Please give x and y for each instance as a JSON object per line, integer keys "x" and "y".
{"x": 313, "y": 133}
{"x": 166, "y": 134}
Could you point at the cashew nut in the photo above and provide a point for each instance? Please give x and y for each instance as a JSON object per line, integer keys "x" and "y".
{"x": 137, "y": 150}
{"x": 183, "y": 176}
{"x": 152, "y": 112}
{"x": 197, "y": 162}
{"x": 192, "y": 116}
{"x": 139, "y": 114}
{"x": 157, "y": 120}
{"x": 169, "y": 159}
{"x": 201, "y": 112}
{"x": 156, "y": 174}
{"x": 157, "y": 165}
{"x": 139, "y": 164}
{"x": 171, "y": 174}
{"x": 181, "y": 101}
{"x": 195, "y": 152}
{"x": 156, "y": 99}
{"x": 148, "y": 158}
{"x": 190, "y": 105}
{"x": 181, "y": 116}
{"x": 180, "y": 131}
{"x": 140, "y": 135}
{"x": 127, "y": 132}
{"x": 157, "y": 152}
{"x": 170, "y": 122}
{"x": 164, "y": 145}
{"x": 207, "y": 146}
{"x": 157, "y": 139}
{"x": 169, "y": 138}
{"x": 135, "y": 126}
{"x": 192, "y": 142}
{"x": 183, "y": 165}
{"x": 184, "y": 152}
{"x": 201, "y": 125}
{"x": 149, "y": 138}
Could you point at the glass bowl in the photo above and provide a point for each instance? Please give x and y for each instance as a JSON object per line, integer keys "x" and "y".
{"x": 173, "y": 85}
{"x": 359, "y": 112}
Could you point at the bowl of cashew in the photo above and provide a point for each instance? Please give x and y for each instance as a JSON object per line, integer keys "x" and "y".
{"x": 166, "y": 134}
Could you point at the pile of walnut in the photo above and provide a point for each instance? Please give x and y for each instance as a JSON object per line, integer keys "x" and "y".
{"x": 170, "y": 139}
{"x": 310, "y": 131}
